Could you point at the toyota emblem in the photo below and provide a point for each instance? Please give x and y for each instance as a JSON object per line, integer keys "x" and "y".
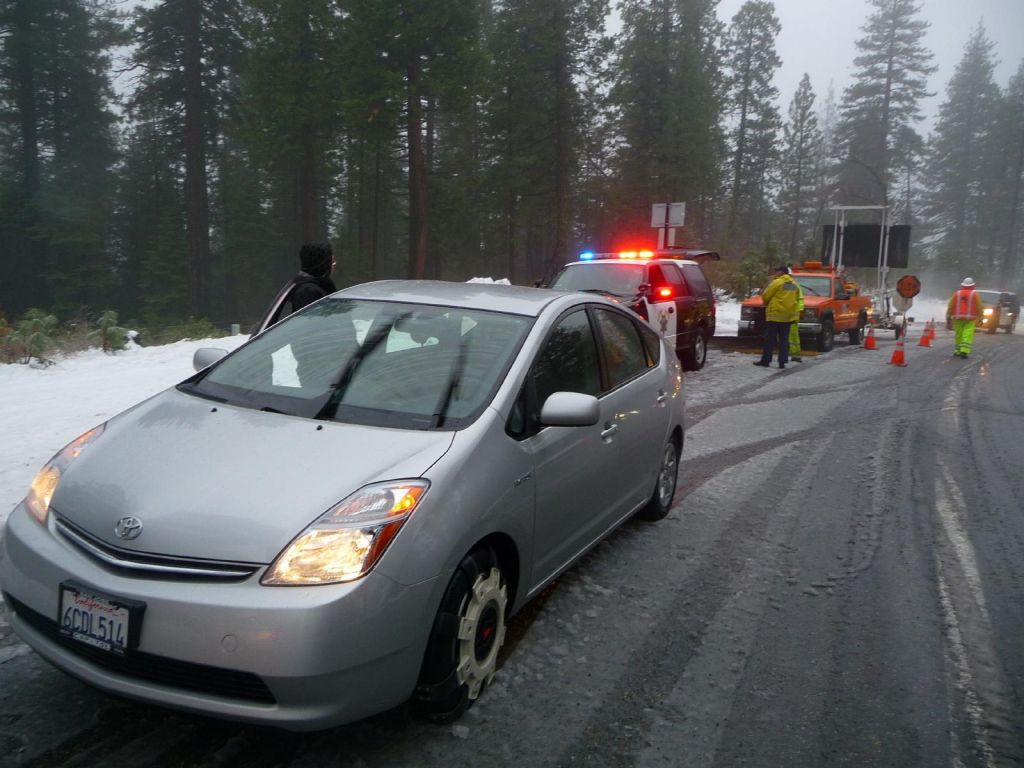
{"x": 128, "y": 528}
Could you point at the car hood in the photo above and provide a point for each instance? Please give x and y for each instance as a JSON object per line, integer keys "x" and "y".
{"x": 226, "y": 483}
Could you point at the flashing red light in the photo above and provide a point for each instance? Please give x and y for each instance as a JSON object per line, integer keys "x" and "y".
{"x": 627, "y": 254}
{"x": 665, "y": 292}
{"x": 646, "y": 254}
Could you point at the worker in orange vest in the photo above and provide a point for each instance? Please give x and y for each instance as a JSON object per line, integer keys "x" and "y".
{"x": 964, "y": 309}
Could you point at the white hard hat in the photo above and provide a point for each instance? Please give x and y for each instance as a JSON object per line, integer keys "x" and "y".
{"x": 967, "y": 282}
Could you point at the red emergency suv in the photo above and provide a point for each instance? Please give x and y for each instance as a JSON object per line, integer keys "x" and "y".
{"x": 666, "y": 288}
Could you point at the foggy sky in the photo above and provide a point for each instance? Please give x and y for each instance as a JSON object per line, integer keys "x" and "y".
{"x": 818, "y": 37}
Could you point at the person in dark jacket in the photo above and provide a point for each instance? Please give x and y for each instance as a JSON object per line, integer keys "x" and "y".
{"x": 314, "y": 280}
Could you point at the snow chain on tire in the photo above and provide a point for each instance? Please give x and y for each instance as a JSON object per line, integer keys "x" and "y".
{"x": 472, "y": 672}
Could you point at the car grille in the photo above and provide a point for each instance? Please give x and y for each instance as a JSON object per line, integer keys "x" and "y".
{"x": 146, "y": 563}
{"x": 226, "y": 683}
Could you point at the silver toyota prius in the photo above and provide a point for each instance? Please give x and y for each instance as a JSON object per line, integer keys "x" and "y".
{"x": 344, "y": 512}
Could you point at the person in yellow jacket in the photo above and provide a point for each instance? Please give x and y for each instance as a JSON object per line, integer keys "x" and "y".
{"x": 964, "y": 309}
{"x": 794, "y": 328}
{"x": 781, "y": 299}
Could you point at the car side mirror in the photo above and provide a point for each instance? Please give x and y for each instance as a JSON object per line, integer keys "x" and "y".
{"x": 207, "y": 356}
{"x": 570, "y": 409}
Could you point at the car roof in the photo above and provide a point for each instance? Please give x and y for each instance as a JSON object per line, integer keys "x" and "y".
{"x": 496, "y": 297}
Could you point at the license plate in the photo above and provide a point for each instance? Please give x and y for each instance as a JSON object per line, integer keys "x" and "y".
{"x": 109, "y": 623}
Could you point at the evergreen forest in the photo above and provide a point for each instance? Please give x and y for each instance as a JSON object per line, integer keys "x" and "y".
{"x": 165, "y": 160}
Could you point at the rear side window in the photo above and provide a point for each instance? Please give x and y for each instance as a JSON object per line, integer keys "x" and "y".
{"x": 695, "y": 277}
{"x": 624, "y": 352}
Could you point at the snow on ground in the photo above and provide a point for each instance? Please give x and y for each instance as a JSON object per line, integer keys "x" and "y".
{"x": 42, "y": 409}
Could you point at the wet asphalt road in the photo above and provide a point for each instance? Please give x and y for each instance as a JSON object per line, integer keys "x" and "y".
{"x": 840, "y": 583}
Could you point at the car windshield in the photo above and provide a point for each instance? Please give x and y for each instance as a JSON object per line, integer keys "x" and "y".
{"x": 989, "y": 297}
{"x": 411, "y": 366}
{"x": 815, "y": 285}
{"x": 620, "y": 279}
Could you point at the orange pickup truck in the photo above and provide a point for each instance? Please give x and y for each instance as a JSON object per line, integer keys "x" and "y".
{"x": 831, "y": 305}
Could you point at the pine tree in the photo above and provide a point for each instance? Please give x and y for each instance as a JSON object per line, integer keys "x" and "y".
{"x": 750, "y": 53}
{"x": 536, "y": 126}
{"x": 801, "y": 142}
{"x": 668, "y": 91}
{"x": 1010, "y": 137}
{"x": 187, "y": 51}
{"x": 59, "y": 150}
{"x": 880, "y": 109}
{"x": 826, "y": 158}
{"x": 960, "y": 192}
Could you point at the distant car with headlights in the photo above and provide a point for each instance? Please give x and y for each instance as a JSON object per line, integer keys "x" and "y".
{"x": 667, "y": 288}
{"x": 999, "y": 310}
{"x": 342, "y": 513}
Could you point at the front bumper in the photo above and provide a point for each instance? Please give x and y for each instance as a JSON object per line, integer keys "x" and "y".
{"x": 323, "y": 655}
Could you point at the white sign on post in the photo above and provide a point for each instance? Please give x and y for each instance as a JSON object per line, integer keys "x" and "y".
{"x": 668, "y": 215}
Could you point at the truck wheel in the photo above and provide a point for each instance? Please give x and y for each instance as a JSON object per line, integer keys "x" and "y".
{"x": 1012, "y": 326}
{"x": 855, "y": 334}
{"x": 995, "y": 324}
{"x": 826, "y": 338}
{"x": 693, "y": 359}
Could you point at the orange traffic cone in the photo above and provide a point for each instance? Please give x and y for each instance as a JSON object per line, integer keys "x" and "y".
{"x": 926, "y": 337}
{"x": 931, "y": 330}
{"x": 897, "y": 354}
{"x": 869, "y": 340}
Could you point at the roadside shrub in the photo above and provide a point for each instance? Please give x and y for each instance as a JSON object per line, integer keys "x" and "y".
{"x": 34, "y": 336}
{"x": 108, "y": 334}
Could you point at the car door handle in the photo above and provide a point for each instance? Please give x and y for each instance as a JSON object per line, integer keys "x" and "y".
{"x": 611, "y": 429}
{"x": 662, "y": 397}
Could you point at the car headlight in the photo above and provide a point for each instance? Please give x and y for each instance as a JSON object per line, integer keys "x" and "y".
{"x": 747, "y": 313}
{"x": 809, "y": 316}
{"x": 45, "y": 483}
{"x": 348, "y": 540}
{"x": 987, "y": 311}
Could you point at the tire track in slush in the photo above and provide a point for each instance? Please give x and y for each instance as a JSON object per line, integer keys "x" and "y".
{"x": 975, "y": 671}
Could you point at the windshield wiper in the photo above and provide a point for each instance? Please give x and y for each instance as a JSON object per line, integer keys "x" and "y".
{"x": 370, "y": 343}
{"x": 190, "y": 388}
{"x": 453, "y": 381}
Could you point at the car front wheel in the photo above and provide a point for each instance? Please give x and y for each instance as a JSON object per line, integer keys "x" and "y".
{"x": 462, "y": 653}
{"x": 665, "y": 489}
